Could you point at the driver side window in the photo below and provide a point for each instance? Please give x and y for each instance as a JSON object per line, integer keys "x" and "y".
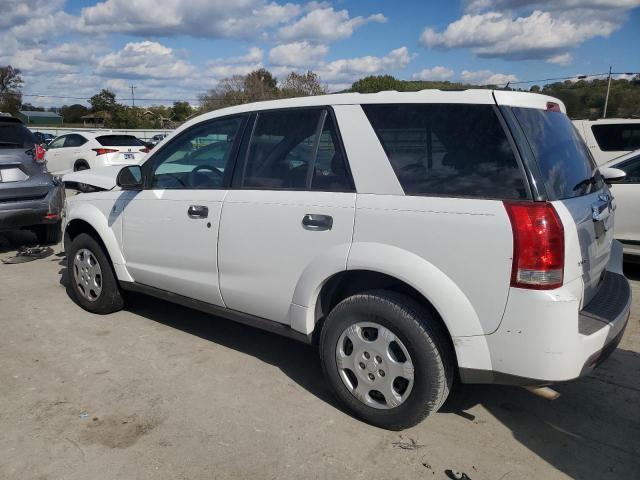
{"x": 198, "y": 157}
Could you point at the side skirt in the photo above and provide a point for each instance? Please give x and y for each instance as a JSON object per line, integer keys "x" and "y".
{"x": 245, "y": 318}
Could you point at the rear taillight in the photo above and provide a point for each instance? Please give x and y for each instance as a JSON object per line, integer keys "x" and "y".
{"x": 553, "y": 107}
{"x": 104, "y": 151}
{"x": 538, "y": 245}
{"x": 38, "y": 153}
{"x": 145, "y": 150}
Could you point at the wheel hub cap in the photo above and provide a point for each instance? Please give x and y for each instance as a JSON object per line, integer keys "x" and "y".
{"x": 87, "y": 275}
{"x": 374, "y": 365}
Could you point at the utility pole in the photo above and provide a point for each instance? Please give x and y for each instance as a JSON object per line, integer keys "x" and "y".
{"x": 606, "y": 100}
{"x": 133, "y": 97}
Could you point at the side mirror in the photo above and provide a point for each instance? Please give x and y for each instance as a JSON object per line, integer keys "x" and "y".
{"x": 612, "y": 175}
{"x": 130, "y": 178}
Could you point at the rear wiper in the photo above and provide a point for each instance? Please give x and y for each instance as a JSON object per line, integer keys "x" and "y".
{"x": 585, "y": 183}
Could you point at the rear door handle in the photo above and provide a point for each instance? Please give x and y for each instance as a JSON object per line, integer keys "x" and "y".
{"x": 198, "y": 211}
{"x": 316, "y": 223}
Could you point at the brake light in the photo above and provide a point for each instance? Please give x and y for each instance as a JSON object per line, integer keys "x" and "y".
{"x": 553, "y": 107}
{"x": 38, "y": 153}
{"x": 103, "y": 151}
{"x": 538, "y": 245}
{"x": 145, "y": 150}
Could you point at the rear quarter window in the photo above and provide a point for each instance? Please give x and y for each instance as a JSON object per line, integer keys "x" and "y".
{"x": 119, "y": 141}
{"x": 566, "y": 166}
{"x": 615, "y": 137}
{"x": 448, "y": 150}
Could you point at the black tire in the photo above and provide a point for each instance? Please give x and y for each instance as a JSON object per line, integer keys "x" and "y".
{"x": 423, "y": 337}
{"x": 110, "y": 298}
{"x": 49, "y": 234}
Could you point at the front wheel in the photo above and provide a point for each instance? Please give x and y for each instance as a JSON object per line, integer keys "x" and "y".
{"x": 91, "y": 280}
{"x": 386, "y": 358}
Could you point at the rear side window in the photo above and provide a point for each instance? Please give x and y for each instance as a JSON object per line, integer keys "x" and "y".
{"x": 614, "y": 137}
{"x": 74, "y": 140}
{"x": 565, "y": 163}
{"x": 448, "y": 150}
{"x": 119, "y": 141}
{"x": 295, "y": 150}
{"x": 16, "y": 135}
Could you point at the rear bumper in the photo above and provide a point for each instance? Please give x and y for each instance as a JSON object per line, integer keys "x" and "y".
{"x": 25, "y": 213}
{"x": 545, "y": 337}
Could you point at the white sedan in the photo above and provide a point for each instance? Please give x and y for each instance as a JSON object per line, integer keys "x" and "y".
{"x": 627, "y": 195}
{"x": 84, "y": 150}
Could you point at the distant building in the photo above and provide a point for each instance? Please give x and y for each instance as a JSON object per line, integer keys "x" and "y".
{"x": 95, "y": 120}
{"x": 39, "y": 118}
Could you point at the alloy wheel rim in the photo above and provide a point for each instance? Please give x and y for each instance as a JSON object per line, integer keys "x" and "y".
{"x": 375, "y": 365}
{"x": 87, "y": 275}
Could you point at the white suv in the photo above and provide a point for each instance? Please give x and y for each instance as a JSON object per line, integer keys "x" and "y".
{"x": 412, "y": 236}
{"x": 84, "y": 150}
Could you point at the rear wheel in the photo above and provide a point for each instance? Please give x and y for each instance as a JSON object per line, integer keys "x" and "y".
{"x": 386, "y": 358}
{"x": 80, "y": 165}
{"x": 49, "y": 234}
{"x": 91, "y": 281}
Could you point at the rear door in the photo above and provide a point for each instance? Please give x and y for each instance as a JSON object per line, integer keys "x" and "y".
{"x": 55, "y": 157}
{"x": 569, "y": 176}
{"x": 293, "y": 203}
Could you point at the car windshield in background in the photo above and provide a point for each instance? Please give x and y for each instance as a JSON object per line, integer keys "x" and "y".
{"x": 448, "y": 150}
{"x": 16, "y": 135}
{"x": 615, "y": 137}
{"x": 119, "y": 141}
{"x": 565, "y": 163}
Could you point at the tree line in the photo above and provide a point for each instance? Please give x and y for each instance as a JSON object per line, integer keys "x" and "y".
{"x": 583, "y": 99}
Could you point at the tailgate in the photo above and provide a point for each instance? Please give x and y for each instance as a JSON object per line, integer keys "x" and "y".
{"x": 20, "y": 178}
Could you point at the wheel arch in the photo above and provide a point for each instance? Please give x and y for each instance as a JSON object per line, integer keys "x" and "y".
{"x": 80, "y": 161}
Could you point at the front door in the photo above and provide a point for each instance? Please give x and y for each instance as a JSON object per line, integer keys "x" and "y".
{"x": 170, "y": 231}
{"x": 293, "y": 203}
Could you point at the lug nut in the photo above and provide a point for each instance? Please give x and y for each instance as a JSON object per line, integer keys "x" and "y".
{"x": 361, "y": 365}
{"x": 366, "y": 355}
{"x": 371, "y": 377}
{"x": 381, "y": 373}
{"x": 378, "y": 359}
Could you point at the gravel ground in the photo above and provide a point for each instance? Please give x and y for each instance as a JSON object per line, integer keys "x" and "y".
{"x": 159, "y": 391}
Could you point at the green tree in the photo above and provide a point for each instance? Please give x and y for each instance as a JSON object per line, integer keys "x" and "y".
{"x": 181, "y": 111}
{"x": 377, "y": 83}
{"x": 104, "y": 101}
{"x": 73, "y": 113}
{"x": 10, "y": 89}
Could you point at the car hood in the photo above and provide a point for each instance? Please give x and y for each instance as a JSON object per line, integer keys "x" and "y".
{"x": 101, "y": 178}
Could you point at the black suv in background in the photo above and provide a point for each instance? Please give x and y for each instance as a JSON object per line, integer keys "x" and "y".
{"x": 30, "y": 197}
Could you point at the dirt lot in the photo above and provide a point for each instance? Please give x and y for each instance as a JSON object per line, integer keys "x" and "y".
{"x": 162, "y": 392}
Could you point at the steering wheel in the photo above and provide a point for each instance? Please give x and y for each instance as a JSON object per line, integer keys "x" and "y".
{"x": 193, "y": 173}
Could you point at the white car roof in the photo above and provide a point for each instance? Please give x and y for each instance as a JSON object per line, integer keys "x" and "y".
{"x": 470, "y": 96}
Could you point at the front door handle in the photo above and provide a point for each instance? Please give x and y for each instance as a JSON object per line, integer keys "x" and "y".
{"x": 316, "y": 223}
{"x": 198, "y": 211}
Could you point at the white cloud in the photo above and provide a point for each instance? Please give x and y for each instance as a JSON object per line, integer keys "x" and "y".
{"x": 486, "y": 77}
{"x": 326, "y": 25}
{"x": 198, "y": 18}
{"x": 437, "y": 73}
{"x": 351, "y": 69}
{"x": 297, "y": 54}
{"x": 144, "y": 60}
{"x": 529, "y": 29}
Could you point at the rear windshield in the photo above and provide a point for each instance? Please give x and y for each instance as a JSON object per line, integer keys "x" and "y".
{"x": 119, "y": 141}
{"x": 613, "y": 137}
{"x": 564, "y": 160}
{"x": 16, "y": 135}
{"x": 448, "y": 150}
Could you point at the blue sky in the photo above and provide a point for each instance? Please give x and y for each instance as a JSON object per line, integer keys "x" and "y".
{"x": 177, "y": 49}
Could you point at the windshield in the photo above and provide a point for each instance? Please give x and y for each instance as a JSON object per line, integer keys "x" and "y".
{"x": 565, "y": 162}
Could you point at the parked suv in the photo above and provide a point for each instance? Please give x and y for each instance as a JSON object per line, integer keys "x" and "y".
{"x": 30, "y": 198}
{"x": 84, "y": 150}
{"x": 412, "y": 236}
